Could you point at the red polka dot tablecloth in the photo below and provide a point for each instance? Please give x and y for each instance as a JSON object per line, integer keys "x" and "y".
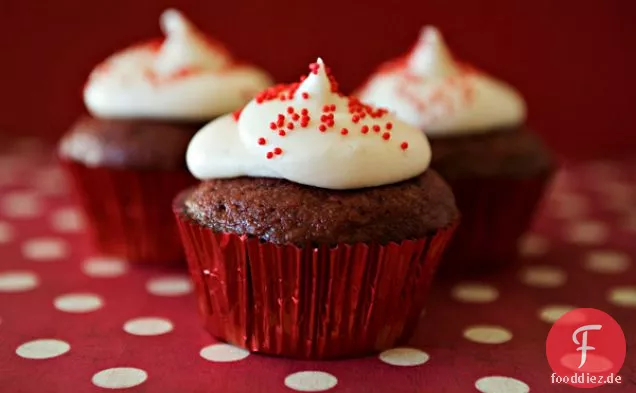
{"x": 70, "y": 322}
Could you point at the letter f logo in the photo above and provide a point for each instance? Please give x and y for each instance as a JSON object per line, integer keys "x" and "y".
{"x": 583, "y": 344}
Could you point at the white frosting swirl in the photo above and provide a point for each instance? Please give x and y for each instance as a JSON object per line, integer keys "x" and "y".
{"x": 312, "y": 135}
{"x": 430, "y": 89}
{"x": 187, "y": 77}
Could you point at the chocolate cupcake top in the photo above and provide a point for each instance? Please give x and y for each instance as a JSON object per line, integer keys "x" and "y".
{"x": 430, "y": 89}
{"x": 309, "y": 133}
{"x": 185, "y": 77}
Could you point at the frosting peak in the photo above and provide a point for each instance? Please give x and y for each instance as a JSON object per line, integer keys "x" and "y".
{"x": 430, "y": 56}
{"x": 187, "y": 76}
{"x": 185, "y": 46}
{"x": 431, "y": 90}
{"x": 309, "y": 133}
{"x": 317, "y": 83}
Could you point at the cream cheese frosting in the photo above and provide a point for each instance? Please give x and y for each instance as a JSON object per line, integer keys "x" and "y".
{"x": 430, "y": 89}
{"x": 187, "y": 76}
{"x": 309, "y": 133}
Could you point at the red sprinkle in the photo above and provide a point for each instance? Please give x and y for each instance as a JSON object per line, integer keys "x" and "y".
{"x": 278, "y": 151}
{"x": 314, "y": 67}
{"x": 324, "y": 118}
{"x": 355, "y": 118}
{"x": 272, "y": 125}
{"x": 322, "y": 128}
{"x": 237, "y": 114}
{"x": 332, "y": 107}
{"x": 262, "y": 141}
{"x": 376, "y": 128}
{"x": 386, "y": 136}
{"x": 389, "y": 126}
{"x": 290, "y": 126}
{"x": 344, "y": 131}
{"x": 326, "y": 108}
{"x": 305, "y": 95}
{"x": 270, "y": 155}
{"x": 282, "y": 133}
{"x": 404, "y": 145}
{"x": 290, "y": 110}
{"x": 304, "y": 112}
{"x": 330, "y": 122}
{"x": 365, "y": 129}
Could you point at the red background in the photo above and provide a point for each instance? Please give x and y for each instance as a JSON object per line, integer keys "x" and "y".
{"x": 572, "y": 59}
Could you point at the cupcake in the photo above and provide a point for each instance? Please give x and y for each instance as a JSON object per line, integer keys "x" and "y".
{"x": 496, "y": 166}
{"x": 317, "y": 227}
{"x": 127, "y": 158}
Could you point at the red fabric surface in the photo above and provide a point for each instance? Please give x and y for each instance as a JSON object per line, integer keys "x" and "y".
{"x": 581, "y": 254}
{"x": 573, "y": 60}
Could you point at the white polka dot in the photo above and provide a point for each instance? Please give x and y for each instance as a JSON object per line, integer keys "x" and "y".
{"x": 595, "y": 363}
{"x": 588, "y": 233}
{"x": 6, "y": 232}
{"x": 485, "y": 334}
{"x": 20, "y": 204}
{"x": 601, "y": 170}
{"x": 18, "y": 281}
{"x": 623, "y": 296}
{"x": 607, "y": 261}
{"x": 44, "y": 249}
{"x": 618, "y": 202}
{"x": 568, "y": 206}
{"x": 169, "y": 286}
{"x": 628, "y": 222}
{"x": 497, "y": 384}
{"x": 104, "y": 267}
{"x": 474, "y": 293}
{"x": 223, "y": 353}
{"x": 42, "y": 349}
{"x": 119, "y": 378}
{"x": 67, "y": 220}
{"x": 78, "y": 302}
{"x": 50, "y": 181}
{"x": 311, "y": 381}
{"x": 543, "y": 276}
{"x": 404, "y": 357}
{"x": 616, "y": 189}
{"x": 552, "y": 313}
{"x": 148, "y": 326}
{"x": 533, "y": 245}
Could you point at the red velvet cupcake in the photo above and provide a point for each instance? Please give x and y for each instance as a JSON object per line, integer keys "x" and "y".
{"x": 496, "y": 166}
{"x": 127, "y": 158}
{"x": 317, "y": 228}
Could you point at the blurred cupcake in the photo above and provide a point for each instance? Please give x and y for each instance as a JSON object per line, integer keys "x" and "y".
{"x": 318, "y": 226}
{"x": 127, "y": 159}
{"x": 495, "y": 165}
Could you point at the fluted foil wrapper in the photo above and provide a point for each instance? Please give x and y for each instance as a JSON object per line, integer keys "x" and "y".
{"x": 128, "y": 211}
{"x": 309, "y": 302}
{"x": 495, "y": 214}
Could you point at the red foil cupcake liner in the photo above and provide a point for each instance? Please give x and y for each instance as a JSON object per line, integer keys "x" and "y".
{"x": 309, "y": 302}
{"x": 495, "y": 213}
{"x": 129, "y": 211}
